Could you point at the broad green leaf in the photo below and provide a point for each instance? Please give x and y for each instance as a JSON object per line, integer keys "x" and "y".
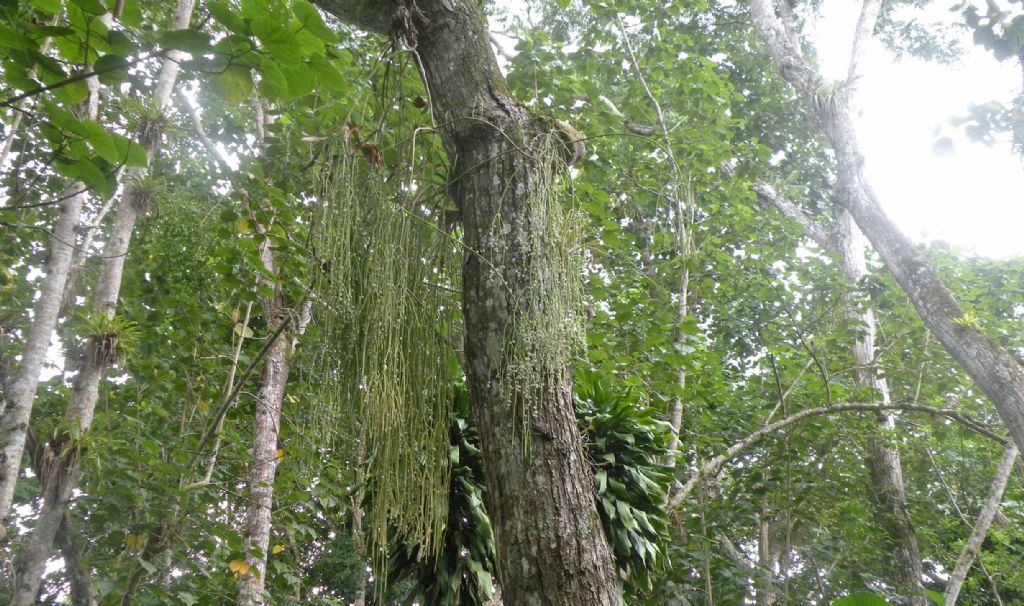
{"x": 861, "y": 598}
{"x": 273, "y": 82}
{"x": 11, "y": 38}
{"x": 327, "y": 75}
{"x": 112, "y": 69}
{"x": 277, "y": 40}
{"x": 300, "y": 80}
{"x": 47, "y": 6}
{"x": 226, "y": 16}
{"x": 93, "y": 7}
{"x": 310, "y": 19}
{"x": 234, "y": 84}
{"x": 131, "y": 13}
{"x": 188, "y": 40}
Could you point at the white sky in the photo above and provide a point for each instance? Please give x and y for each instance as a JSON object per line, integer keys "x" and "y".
{"x": 973, "y": 198}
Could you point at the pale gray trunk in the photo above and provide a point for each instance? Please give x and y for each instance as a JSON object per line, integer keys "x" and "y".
{"x": 58, "y": 487}
{"x": 886, "y": 492}
{"x": 977, "y": 536}
{"x": 79, "y": 577}
{"x": 269, "y": 399}
{"x": 21, "y": 393}
{"x": 263, "y": 466}
{"x": 12, "y": 130}
{"x": 991, "y": 366}
{"x": 18, "y": 112}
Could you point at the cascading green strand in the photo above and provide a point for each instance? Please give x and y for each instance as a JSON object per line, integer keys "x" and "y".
{"x": 549, "y": 328}
{"x": 387, "y": 311}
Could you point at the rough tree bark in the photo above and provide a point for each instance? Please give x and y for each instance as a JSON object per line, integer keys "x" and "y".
{"x": 59, "y": 462}
{"x": 551, "y": 548}
{"x": 977, "y": 536}
{"x": 21, "y": 393}
{"x": 991, "y": 366}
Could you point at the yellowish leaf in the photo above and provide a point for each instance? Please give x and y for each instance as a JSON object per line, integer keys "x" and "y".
{"x": 276, "y": 549}
{"x": 242, "y": 225}
{"x": 238, "y": 568}
{"x": 134, "y": 541}
{"x": 280, "y": 453}
{"x": 202, "y": 406}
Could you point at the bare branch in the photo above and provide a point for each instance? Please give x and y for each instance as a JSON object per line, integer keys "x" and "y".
{"x": 784, "y": 51}
{"x": 715, "y": 464}
{"x": 865, "y": 28}
{"x": 977, "y": 536}
{"x": 813, "y": 228}
{"x": 371, "y": 15}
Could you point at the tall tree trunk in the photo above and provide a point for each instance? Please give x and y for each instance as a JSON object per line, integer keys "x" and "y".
{"x": 59, "y": 469}
{"x": 991, "y": 366}
{"x": 886, "y": 493}
{"x": 977, "y": 536}
{"x": 69, "y": 540}
{"x": 21, "y": 393}
{"x": 263, "y": 466}
{"x": 550, "y": 544}
{"x": 269, "y": 399}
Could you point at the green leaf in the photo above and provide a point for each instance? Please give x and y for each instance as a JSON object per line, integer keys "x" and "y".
{"x": 87, "y": 173}
{"x": 300, "y": 80}
{"x": 47, "y": 6}
{"x": 150, "y": 568}
{"x": 131, "y": 13}
{"x": 94, "y": 7}
{"x": 936, "y": 597}
{"x": 277, "y": 40}
{"x": 327, "y": 75}
{"x": 234, "y": 84}
{"x": 861, "y": 598}
{"x": 226, "y": 16}
{"x": 11, "y": 38}
{"x": 101, "y": 141}
{"x": 188, "y": 40}
{"x": 112, "y": 69}
{"x": 273, "y": 82}
{"x": 310, "y": 19}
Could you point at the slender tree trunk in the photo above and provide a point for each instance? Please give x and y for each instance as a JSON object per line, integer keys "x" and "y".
{"x": 991, "y": 366}
{"x": 550, "y": 544}
{"x": 269, "y": 399}
{"x": 263, "y": 467}
{"x": 69, "y": 540}
{"x": 60, "y": 457}
{"x": 21, "y": 394}
{"x": 977, "y": 536}
{"x": 886, "y": 493}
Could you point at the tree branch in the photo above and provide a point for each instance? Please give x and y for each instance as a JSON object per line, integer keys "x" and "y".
{"x": 814, "y": 229}
{"x": 371, "y": 15}
{"x": 865, "y": 28}
{"x": 977, "y": 536}
{"x": 715, "y": 464}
